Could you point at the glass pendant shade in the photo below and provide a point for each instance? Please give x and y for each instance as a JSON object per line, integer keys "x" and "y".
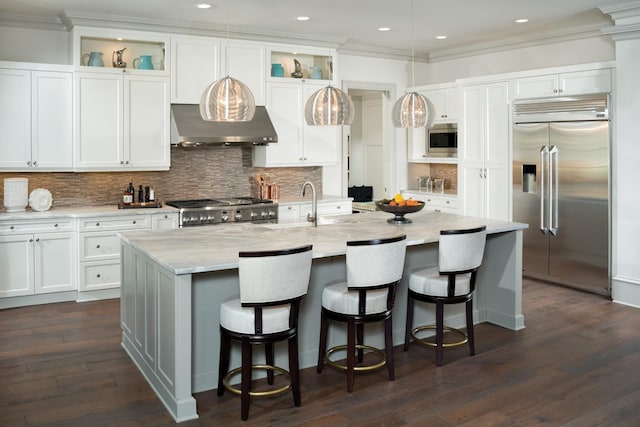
{"x": 329, "y": 106}
{"x": 411, "y": 111}
{"x": 227, "y": 100}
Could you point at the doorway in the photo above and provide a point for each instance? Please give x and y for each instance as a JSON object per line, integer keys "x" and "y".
{"x": 369, "y": 155}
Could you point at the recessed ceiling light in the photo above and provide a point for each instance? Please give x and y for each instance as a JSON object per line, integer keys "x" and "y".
{"x": 383, "y": 29}
{"x": 302, "y": 18}
{"x": 203, "y": 6}
{"x": 441, "y": 37}
{"x": 522, "y": 20}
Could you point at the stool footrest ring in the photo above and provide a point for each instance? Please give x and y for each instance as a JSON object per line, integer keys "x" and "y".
{"x": 235, "y": 390}
{"x": 368, "y": 348}
{"x": 424, "y": 341}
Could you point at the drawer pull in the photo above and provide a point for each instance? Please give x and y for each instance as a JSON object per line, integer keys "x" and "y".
{"x": 447, "y": 202}
{"x": 338, "y": 207}
{"x": 11, "y": 228}
{"x": 55, "y": 225}
{"x": 134, "y": 221}
{"x": 97, "y": 224}
{"x": 98, "y": 275}
{"x": 97, "y": 246}
{"x": 166, "y": 216}
{"x": 38, "y": 239}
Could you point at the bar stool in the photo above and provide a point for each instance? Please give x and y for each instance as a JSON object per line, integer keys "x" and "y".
{"x": 453, "y": 281}
{"x": 272, "y": 284}
{"x": 374, "y": 268}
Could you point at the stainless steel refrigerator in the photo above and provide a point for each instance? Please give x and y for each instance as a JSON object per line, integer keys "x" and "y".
{"x": 561, "y": 189}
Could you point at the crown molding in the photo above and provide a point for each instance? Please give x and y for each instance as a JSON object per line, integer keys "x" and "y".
{"x": 50, "y": 23}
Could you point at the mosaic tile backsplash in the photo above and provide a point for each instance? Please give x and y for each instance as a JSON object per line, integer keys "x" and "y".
{"x": 204, "y": 172}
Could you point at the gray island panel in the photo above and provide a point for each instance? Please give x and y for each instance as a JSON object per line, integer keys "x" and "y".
{"x": 174, "y": 281}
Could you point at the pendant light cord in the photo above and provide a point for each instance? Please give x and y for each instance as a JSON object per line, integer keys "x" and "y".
{"x": 413, "y": 42}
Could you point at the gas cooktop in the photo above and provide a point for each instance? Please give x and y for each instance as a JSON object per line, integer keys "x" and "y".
{"x": 217, "y": 211}
{"x": 204, "y": 203}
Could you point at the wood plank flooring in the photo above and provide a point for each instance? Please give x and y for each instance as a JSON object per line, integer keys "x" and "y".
{"x": 577, "y": 363}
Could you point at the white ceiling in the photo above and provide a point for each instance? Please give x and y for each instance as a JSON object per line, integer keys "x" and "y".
{"x": 350, "y": 25}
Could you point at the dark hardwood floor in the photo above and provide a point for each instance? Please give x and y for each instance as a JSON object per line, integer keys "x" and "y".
{"x": 577, "y": 363}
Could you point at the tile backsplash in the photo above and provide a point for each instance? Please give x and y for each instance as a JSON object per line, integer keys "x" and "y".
{"x": 448, "y": 172}
{"x": 203, "y": 172}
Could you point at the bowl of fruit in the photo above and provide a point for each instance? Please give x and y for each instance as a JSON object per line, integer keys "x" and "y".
{"x": 399, "y": 207}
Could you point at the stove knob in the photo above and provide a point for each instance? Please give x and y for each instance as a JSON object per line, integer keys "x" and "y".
{"x": 264, "y": 214}
{"x": 272, "y": 214}
{"x": 254, "y": 214}
{"x": 224, "y": 217}
{"x": 238, "y": 216}
{"x": 210, "y": 217}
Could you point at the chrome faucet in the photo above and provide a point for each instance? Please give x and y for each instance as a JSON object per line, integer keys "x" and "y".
{"x": 313, "y": 216}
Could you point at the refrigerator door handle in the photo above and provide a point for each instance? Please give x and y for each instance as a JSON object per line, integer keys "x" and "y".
{"x": 544, "y": 151}
{"x": 553, "y": 190}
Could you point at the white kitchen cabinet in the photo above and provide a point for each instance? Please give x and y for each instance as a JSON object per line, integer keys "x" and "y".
{"x": 445, "y": 104}
{"x": 288, "y": 213}
{"x": 563, "y": 84}
{"x": 164, "y": 221}
{"x": 433, "y": 201}
{"x": 483, "y": 152}
{"x": 298, "y": 143}
{"x": 99, "y": 248}
{"x": 37, "y": 257}
{"x": 298, "y": 212}
{"x": 36, "y": 120}
{"x": 122, "y": 122}
{"x": 195, "y": 64}
{"x": 246, "y": 61}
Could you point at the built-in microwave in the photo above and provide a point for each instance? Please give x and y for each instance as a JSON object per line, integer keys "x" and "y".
{"x": 442, "y": 140}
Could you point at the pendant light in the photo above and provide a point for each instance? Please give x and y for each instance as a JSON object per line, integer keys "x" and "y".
{"x": 329, "y": 106}
{"x": 227, "y": 99}
{"x": 411, "y": 110}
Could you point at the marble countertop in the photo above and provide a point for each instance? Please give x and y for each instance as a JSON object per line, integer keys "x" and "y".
{"x": 81, "y": 212}
{"x": 211, "y": 248}
{"x": 447, "y": 193}
{"x": 292, "y": 200}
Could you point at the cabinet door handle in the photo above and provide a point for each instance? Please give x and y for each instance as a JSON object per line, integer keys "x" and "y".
{"x": 35, "y": 163}
{"x": 11, "y": 228}
{"x": 55, "y": 225}
{"x": 98, "y": 275}
{"x": 38, "y": 239}
{"x": 134, "y": 221}
{"x": 29, "y": 163}
{"x": 97, "y": 224}
{"x": 30, "y": 240}
{"x": 98, "y": 246}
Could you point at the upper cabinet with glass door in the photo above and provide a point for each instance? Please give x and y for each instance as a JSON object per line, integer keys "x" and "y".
{"x": 121, "y": 51}
{"x": 301, "y": 62}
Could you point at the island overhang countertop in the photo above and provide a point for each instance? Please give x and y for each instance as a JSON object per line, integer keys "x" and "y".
{"x": 212, "y": 248}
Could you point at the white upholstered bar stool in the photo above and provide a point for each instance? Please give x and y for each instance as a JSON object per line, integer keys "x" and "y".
{"x": 453, "y": 281}
{"x": 374, "y": 268}
{"x": 272, "y": 284}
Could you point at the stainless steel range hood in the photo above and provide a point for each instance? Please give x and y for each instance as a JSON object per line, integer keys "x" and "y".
{"x": 189, "y": 130}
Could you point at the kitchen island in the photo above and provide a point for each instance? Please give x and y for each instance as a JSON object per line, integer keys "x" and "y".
{"x": 174, "y": 281}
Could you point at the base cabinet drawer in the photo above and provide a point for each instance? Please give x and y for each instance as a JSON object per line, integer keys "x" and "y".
{"x": 99, "y": 275}
{"x": 99, "y": 246}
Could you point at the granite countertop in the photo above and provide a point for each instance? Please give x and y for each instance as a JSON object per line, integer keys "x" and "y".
{"x": 81, "y": 212}
{"x": 202, "y": 249}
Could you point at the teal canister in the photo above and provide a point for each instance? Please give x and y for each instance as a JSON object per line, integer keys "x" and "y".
{"x": 315, "y": 72}
{"x": 143, "y": 63}
{"x": 93, "y": 59}
{"x": 277, "y": 70}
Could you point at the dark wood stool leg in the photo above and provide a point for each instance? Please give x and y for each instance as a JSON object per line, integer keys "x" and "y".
{"x": 294, "y": 370}
{"x": 246, "y": 378}
{"x": 439, "y": 332}
{"x": 322, "y": 347}
{"x": 472, "y": 345}
{"x": 268, "y": 348}
{"x": 388, "y": 346}
{"x": 351, "y": 353}
{"x": 223, "y": 366}
{"x": 360, "y": 340}
{"x": 409, "y": 324}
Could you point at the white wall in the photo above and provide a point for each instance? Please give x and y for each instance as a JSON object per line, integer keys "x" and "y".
{"x": 28, "y": 45}
{"x": 626, "y": 152}
{"x": 595, "y": 49}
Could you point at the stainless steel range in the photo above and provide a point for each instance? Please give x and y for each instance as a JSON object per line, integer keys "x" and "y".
{"x": 218, "y": 211}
